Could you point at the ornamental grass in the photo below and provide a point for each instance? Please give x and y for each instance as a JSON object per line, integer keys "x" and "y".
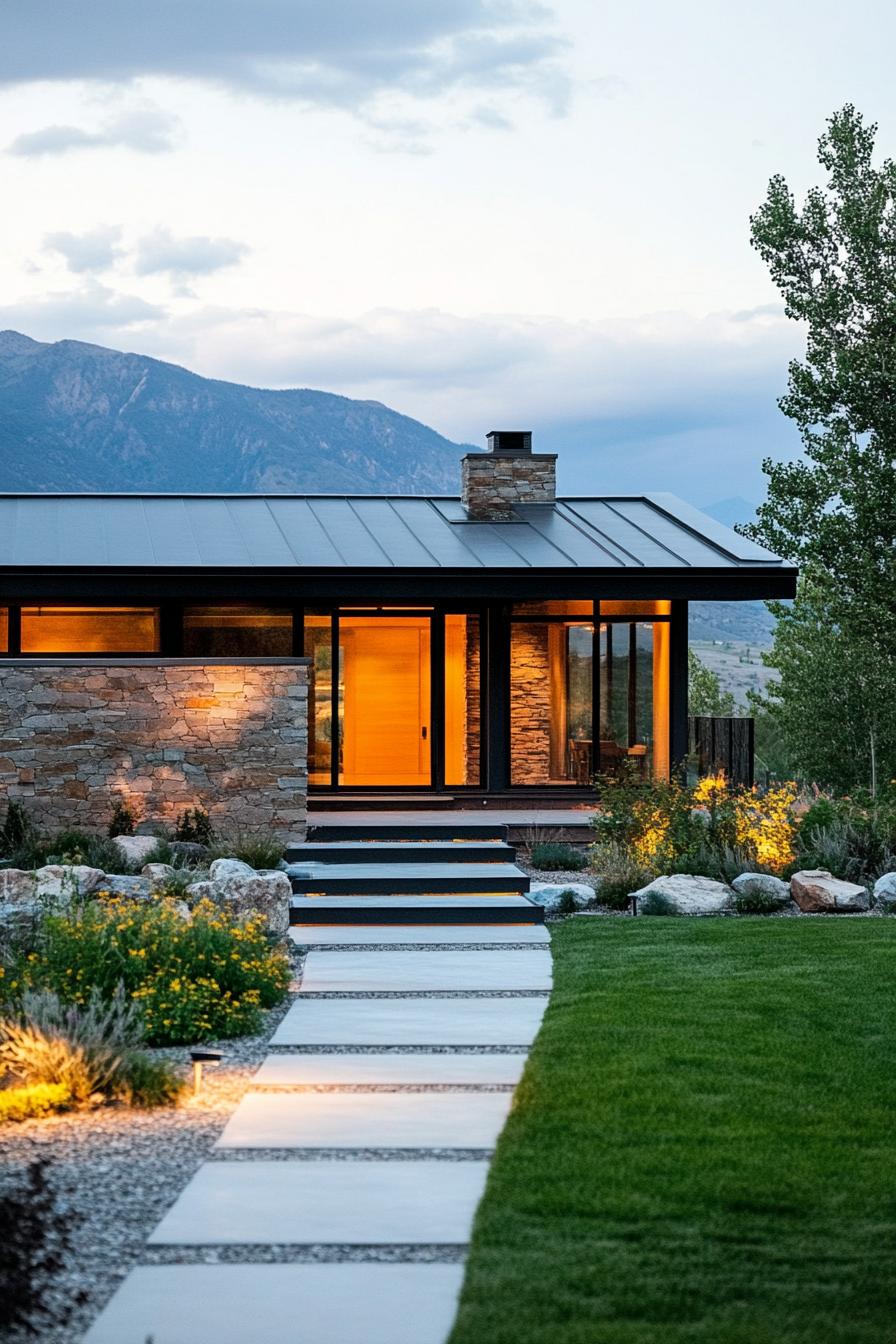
{"x": 196, "y": 977}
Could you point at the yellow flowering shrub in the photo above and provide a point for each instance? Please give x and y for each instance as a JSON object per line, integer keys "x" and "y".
{"x": 198, "y": 978}
{"x": 31, "y": 1103}
{"x": 672, "y": 828}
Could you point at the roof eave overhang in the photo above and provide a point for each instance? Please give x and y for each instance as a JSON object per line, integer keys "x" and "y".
{"x": 297, "y": 586}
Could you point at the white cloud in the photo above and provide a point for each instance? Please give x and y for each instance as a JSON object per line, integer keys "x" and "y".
{"x": 146, "y": 130}
{"x": 181, "y": 258}
{"x": 95, "y": 250}
{"x": 92, "y": 312}
{"x": 340, "y": 54}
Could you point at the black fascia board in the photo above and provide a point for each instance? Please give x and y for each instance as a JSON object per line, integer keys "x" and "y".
{"x": 344, "y": 586}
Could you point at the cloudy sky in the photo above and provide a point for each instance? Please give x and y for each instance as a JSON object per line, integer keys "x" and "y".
{"x": 481, "y": 212}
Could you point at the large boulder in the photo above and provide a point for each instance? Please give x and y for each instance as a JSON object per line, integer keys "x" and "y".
{"x": 19, "y": 922}
{"x": 884, "y": 890}
{"x": 764, "y": 886}
{"x": 60, "y": 882}
{"x": 684, "y": 894}
{"x": 17, "y": 887}
{"x": 817, "y": 892}
{"x": 136, "y": 848}
{"x": 550, "y": 894}
{"x": 267, "y": 894}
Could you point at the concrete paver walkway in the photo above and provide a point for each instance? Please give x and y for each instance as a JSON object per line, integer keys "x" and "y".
{"x": 356, "y": 1145}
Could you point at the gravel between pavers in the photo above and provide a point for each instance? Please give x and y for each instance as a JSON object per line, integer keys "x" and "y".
{"x": 119, "y": 1170}
{"x": 287, "y": 1254}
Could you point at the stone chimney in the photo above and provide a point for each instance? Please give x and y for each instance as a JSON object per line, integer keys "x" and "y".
{"x": 494, "y": 482}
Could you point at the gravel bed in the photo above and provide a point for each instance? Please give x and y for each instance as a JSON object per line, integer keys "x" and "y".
{"x": 117, "y": 1171}
{"x": 382, "y": 1087}
{"x": 286, "y": 1254}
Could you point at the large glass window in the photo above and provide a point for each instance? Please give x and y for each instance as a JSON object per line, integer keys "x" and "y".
{"x": 238, "y": 632}
{"x": 4, "y": 629}
{"x": 90, "y": 629}
{"x": 551, "y": 676}
{"x": 463, "y": 753}
{"x": 634, "y": 697}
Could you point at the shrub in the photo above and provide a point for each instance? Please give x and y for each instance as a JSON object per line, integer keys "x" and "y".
{"x": 77, "y": 1047}
{"x": 855, "y": 838}
{"x": 123, "y": 820}
{"x": 91, "y": 1053}
{"x": 553, "y": 856}
{"x": 195, "y": 826}
{"x": 34, "y": 1102}
{"x": 756, "y": 903}
{"x": 620, "y": 873}
{"x": 259, "y": 849}
{"x": 671, "y": 828}
{"x": 655, "y": 903}
{"x": 35, "y": 1233}
{"x": 566, "y": 905}
{"x": 16, "y": 829}
{"x": 195, "y": 979}
{"x": 147, "y": 1080}
{"x": 71, "y": 846}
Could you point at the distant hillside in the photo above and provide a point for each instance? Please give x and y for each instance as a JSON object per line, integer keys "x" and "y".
{"x": 81, "y": 417}
{"x": 742, "y": 622}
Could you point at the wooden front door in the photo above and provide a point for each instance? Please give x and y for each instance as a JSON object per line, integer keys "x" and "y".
{"x": 386, "y": 731}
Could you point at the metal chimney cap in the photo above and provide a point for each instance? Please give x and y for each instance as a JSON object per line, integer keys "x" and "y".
{"x": 513, "y": 442}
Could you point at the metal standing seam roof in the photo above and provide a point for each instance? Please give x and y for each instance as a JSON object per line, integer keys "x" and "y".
{"x": 380, "y": 532}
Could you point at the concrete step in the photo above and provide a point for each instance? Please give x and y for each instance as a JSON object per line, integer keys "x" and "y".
{"x": 423, "y": 879}
{"x": 397, "y": 851}
{"x": 394, "y": 910}
{"x": 452, "y": 828}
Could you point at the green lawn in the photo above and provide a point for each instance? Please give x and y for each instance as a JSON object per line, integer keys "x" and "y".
{"x": 702, "y": 1147}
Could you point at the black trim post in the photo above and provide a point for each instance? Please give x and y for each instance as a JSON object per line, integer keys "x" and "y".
{"x": 171, "y": 629}
{"x": 678, "y": 685}
{"x": 14, "y": 630}
{"x": 496, "y": 705}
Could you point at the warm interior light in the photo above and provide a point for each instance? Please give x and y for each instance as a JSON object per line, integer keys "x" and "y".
{"x": 90, "y": 629}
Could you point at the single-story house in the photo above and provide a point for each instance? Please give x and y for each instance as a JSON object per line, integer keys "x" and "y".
{"x": 235, "y": 652}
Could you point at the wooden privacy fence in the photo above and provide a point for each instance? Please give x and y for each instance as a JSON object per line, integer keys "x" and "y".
{"x": 723, "y": 744}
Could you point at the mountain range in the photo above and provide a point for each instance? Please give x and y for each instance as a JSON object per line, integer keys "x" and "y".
{"x": 80, "y": 417}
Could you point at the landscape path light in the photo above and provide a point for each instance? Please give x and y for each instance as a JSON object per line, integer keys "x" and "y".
{"x": 200, "y": 1057}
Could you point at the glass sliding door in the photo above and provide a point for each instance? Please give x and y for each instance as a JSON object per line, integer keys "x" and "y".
{"x": 634, "y": 691}
{"x": 369, "y": 698}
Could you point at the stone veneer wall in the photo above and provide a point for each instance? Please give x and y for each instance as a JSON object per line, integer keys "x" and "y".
{"x": 230, "y": 736}
{"x": 530, "y": 704}
{"x": 492, "y": 483}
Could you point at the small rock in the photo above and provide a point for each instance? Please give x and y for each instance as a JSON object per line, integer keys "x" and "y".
{"x": 190, "y": 850}
{"x": 689, "y": 895}
{"x": 136, "y": 848}
{"x": 122, "y": 884}
{"x": 817, "y": 892}
{"x": 16, "y": 886}
{"x": 762, "y": 884}
{"x": 222, "y": 870}
{"x": 548, "y": 894}
{"x": 61, "y": 881}
{"x": 159, "y": 874}
{"x": 19, "y": 923}
{"x": 884, "y": 889}
{"x": 202, "y": 891}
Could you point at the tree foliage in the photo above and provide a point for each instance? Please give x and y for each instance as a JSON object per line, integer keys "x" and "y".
{"x": 705, "y": 694}
{"x": 834, "y": 511}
